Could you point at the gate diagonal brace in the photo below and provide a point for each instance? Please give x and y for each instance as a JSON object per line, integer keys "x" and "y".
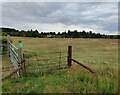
{"x": 83, "y": 66}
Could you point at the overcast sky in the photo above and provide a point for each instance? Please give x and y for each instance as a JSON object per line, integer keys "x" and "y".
{"x": 61, "y": 16}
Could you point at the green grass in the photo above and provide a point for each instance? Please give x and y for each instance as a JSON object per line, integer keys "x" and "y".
{"x": 99, "y": 54}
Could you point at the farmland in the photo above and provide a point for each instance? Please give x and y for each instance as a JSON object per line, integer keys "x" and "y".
{"x": 42, "y": 76}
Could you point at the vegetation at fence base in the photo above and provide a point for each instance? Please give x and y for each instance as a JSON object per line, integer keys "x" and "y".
{"x": 66, "y": 34}
{"x": 4, "y": 45}
{"x": 43, "y": 77}
{"x": 70, "y": 81}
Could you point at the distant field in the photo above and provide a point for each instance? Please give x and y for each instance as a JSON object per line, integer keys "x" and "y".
{"x": 99, "y": 54}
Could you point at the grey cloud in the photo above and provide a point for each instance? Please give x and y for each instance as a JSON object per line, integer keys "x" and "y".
{"x": 15, "y": 14}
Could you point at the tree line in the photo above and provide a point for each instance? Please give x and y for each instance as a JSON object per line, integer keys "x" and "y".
{"x": 68, "y": 34}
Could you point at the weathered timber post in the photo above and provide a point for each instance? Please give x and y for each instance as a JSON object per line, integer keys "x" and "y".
{"x": 69, "y": 56}
{"x": 20, "y": 55}
{"x": 24, "y": 67}
{"x": 8, "y": 45}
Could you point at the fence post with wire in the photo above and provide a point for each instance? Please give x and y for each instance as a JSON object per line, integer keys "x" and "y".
{"x": 70, "y": 59}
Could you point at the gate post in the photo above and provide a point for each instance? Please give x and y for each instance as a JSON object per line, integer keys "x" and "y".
{"x": 69, "y": 56}
{"x": 20, "y": 51}
{"x": 20, "y": 55}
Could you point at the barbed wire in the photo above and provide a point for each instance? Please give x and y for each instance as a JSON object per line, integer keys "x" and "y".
{"x": 47, "y": 53}
{"x": 50, "y": 58}
{"x": 58, "y": 45}
{"x": 64, "y": 56}
{"x": 56, "y": 52}
{"x": 7, "y": 68}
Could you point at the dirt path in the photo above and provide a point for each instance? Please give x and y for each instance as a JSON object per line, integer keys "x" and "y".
{"x": 7, "y": 66}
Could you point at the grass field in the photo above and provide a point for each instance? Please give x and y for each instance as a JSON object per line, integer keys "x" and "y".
{"x": 99, "y": 54}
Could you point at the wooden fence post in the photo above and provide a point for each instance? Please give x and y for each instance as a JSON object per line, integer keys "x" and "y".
{"x": 20, "y": 54}
{"x": 24, "y": 67}
{"x": 8, "y": 45}
{"x": 69, "y": 56}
